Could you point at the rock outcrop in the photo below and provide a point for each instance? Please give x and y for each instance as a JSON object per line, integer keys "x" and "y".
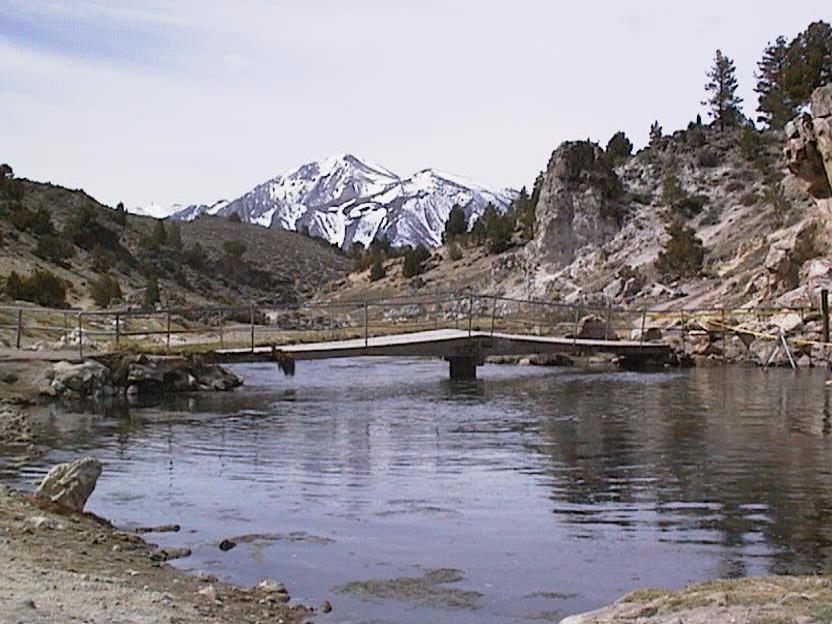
{"x": 134, "y": 375}
{"x": 75, "y": 381}
{"x": 70, "y": 485}
{"x": 146, "y": 374}
{"x": 579, "y": 203}
{"x": 808, "y": 149}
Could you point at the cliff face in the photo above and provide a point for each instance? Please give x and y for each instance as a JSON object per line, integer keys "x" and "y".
{"x": 808, "y": 150}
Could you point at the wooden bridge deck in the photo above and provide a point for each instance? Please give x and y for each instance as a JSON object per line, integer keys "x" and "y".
{"x": 460, "y": 347}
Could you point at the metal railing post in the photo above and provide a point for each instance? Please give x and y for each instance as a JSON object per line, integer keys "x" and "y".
{"x": 493, "y": 313}
{"x": 643, "y": 324}
{"x": 220, "y": 322}
{"x": 366, "y": 325}
{"x": 19, "y": 335}
{"x": 470, "y": 314}
{"x": 80, "y": 335}
{"x": 118, "y": 330}
{"x": 252, "y": 312}
{"x": 724, "y": 343}
{"x": 609, "y": 320}
{"x": 167, "y": 334}
{"x": 577, "y": 323}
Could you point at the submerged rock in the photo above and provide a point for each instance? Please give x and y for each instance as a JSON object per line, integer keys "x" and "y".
{"x": 150, "y": 374}
{"x": 71, "y": 484}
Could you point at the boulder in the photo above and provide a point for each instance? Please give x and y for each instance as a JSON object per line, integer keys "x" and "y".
{"x": 787, "y": 254}
{"x": 594, "y": 327}
{"x": 70, "y": 485}
{"x": 68, "y": 380}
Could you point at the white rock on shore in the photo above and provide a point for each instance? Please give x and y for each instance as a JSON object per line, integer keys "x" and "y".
{"x": 71, "y": 484}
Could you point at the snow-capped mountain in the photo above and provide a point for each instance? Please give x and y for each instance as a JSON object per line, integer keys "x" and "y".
{"x": 345, "y": 200}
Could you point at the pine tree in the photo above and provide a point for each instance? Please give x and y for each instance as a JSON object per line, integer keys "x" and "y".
{"x": 377, "y": 270}
{"x": 151, "y": 292}
{"x": 809, "y": 62}
{"x": 722, "y": 87}
{"x": 682, "y": 254}
{"x": 655, "y": 132}
{"x": 160, "y": 234}
{"x": 773, "y": 104}
{"x": 174, "y": 235}
{"x": 619, "y": 148}
{"x": 455, "y": 226}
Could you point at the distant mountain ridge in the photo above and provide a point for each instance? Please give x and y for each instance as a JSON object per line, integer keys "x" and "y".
{"x": 345, "y": 200}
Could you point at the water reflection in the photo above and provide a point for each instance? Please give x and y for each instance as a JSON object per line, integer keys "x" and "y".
{"x": 565, "y": 483}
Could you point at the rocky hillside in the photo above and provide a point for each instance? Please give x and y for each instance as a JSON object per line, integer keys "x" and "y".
{"x": 210, "y": 261}
{"x": 700, "y": 217}
{"x": 344, "y": 200}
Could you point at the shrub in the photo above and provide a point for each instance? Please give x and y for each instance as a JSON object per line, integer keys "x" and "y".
{"x": 41, "y": 287}
{"x": 120, "y": 214}
{"x": 196, "y": 256}
{"x": 645, "y": 199}
{"x": 37, "y": 222}
{"x": 234, "y": 249}
{"x": 151, "y": 292}
{"x": 780, "y": 204}
{"x": 748, "y": 142}
{"x": 749, "y": 199}
{"x": 707, "y": 158}
{"x": 696, "y": 136}
{"x": 690, "y": 206}
{"x": 454, "y": 252}
{"x": 682, "y": 254}
{"x": 84, "y": 230}
{"x": 672, "y": 190}
{"x": 54, "y": 249}
{"x": 734, "y": 185}
{"x": 414, "y": 261}
{"x": 377, "y": 270}
{"x": 104, "y": 290}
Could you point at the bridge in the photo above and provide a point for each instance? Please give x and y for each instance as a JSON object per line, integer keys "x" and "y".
{"x": 463, "y": 350}
{"x": 463, "y": 328}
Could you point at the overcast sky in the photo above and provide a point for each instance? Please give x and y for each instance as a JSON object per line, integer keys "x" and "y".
{"x": 193, "y": 101}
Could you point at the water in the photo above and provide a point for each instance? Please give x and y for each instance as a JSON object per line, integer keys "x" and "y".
{"x": 552, "y": 491}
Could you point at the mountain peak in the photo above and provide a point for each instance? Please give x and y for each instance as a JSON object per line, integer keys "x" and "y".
{"x": 346, "y": 199}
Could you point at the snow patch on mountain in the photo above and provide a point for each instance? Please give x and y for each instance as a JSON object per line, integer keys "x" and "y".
{"x": 346, "y": 200}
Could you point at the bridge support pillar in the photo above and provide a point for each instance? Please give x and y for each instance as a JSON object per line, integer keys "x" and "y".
{"x": 463, "y": 368}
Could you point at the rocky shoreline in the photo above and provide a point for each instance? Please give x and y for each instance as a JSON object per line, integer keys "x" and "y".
{"x": 753, "y": 600}
{"x": 66, "y": 566}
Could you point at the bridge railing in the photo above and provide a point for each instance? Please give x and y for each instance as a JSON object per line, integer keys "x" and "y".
{"x": 203, "y": 328}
